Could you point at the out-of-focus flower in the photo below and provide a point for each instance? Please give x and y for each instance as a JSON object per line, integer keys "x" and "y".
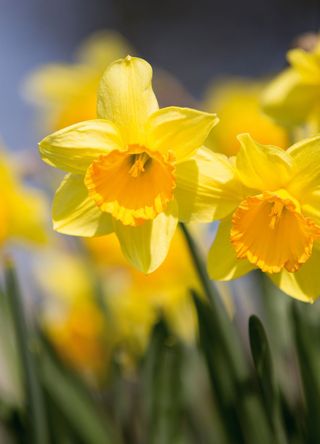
{"x": 274, "y": 224}
{"x": 136, "y": 170}
{"x": 66, "y": 93}
{"x": 83, "y": 335}
{"x": 22, "y": 208}
{"x": 70, "y": 317}
{"x": 237, "y": 103}
{"x": 293, "y": 97}
{"x": 164, "y": 291}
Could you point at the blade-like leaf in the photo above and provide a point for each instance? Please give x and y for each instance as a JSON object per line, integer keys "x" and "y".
{"x": 36, "y": 408}
{"x": 261, "y": 355}
{"x": 163, "y": 386}
{"x": 75, "y": 403}
{"x": 262, "y": 360}
{"x": 307, "y": 335}
{"x": 240, "y": 406}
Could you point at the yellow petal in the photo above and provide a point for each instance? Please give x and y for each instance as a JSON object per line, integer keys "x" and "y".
{"x": 262, "y": 167}
{"x": 307, "y": 64}
{"x": 181, "y": 130}
{"x": 304, "y": 284}
{"x": 74, "y": 148}
{"x": 288, "y": 100}
{"x": 223, "y": 264}
{"x": 146, "y": 246}
{"x": 75, "y": 213}
{"x": 126, "y": 97}
{"x": 305, "y": 183}
{"x": 207, "y": 187}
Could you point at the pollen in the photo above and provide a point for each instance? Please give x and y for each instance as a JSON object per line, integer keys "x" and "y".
{"x": 270, "y": 231}
{"x": 134, "y": 185}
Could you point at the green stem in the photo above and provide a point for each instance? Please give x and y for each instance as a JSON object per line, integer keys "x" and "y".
{"x": 36, "y": 408}
{"x": 199, "y": 265}
{"x": 222, "y": 322}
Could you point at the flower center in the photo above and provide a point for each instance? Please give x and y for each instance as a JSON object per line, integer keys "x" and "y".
{"x": 270, "y": 231}
{"x": 133, "y": 185}
{"x": 139, "y": 163}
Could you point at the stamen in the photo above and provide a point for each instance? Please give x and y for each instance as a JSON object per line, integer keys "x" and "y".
{"x": 275, "y": 213}
{"x": 140, "y": 162}
{"x": 134, "y": 185}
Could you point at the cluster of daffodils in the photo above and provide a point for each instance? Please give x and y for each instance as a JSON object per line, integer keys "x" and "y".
{"x": 136, "y": 170}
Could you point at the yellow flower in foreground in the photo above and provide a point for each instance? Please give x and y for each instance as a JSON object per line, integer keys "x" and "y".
{"x": 66, "y": 93}
{"x": 274, "y": 224}
{"x": 135, "y": 170}
{"x": 293, "y": 98}
{"x": 22, "y": 208}
{"x": 237, "y": 103}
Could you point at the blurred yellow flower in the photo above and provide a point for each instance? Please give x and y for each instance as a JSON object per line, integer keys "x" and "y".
{"x": 274, "y": 224}
{"x": 22, "y": 208}
{"x": 293, "y": 97}
{"x": 237, "y": 102}
{"x": 135, "y": 170}
{"x": 66, "y": 93}
{"x": 70, "y": 316}
{"x": 83, "y": 335}
{"x": 134, "y": 296}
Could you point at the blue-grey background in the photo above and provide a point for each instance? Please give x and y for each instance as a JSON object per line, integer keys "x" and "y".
{"x": 193, "y": 39}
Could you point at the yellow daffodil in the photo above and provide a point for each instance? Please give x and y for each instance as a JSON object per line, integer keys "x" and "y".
{"x": 293, "y": 98}
{"x": 237, "y": 103}
{"x": 22, "y": 208}
{"x": 274, "y": 222}
{"x": 66, "y": 93}
{"x": 135, "y": 170}
{"x": 78, "y": 335}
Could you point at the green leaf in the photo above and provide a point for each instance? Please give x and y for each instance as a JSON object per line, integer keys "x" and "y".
{"x": 261, "y": 355}
{"x": 240, "y": 407}
{"x": 260, "y": 351}
{"x": 74, "y": 403}
{"x": 307, "y": 334}
{"x": 34, "y": 397}
{"x": 163, "y": 387}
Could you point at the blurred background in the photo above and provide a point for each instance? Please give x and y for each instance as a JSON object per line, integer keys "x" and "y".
{"x": 195, "y": 41}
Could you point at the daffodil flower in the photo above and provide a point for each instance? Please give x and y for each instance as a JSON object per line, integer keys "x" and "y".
{"x": 275, "y": 223}
{"x": 22, "y": 208}
{"x": 237, "y": 102}
{"x": 66, "y": 93}
{"x": 293, "y": 97}
{"x": 136, "y": 170}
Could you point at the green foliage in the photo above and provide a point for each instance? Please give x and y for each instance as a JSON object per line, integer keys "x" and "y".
{"x": 223, "y": 391}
